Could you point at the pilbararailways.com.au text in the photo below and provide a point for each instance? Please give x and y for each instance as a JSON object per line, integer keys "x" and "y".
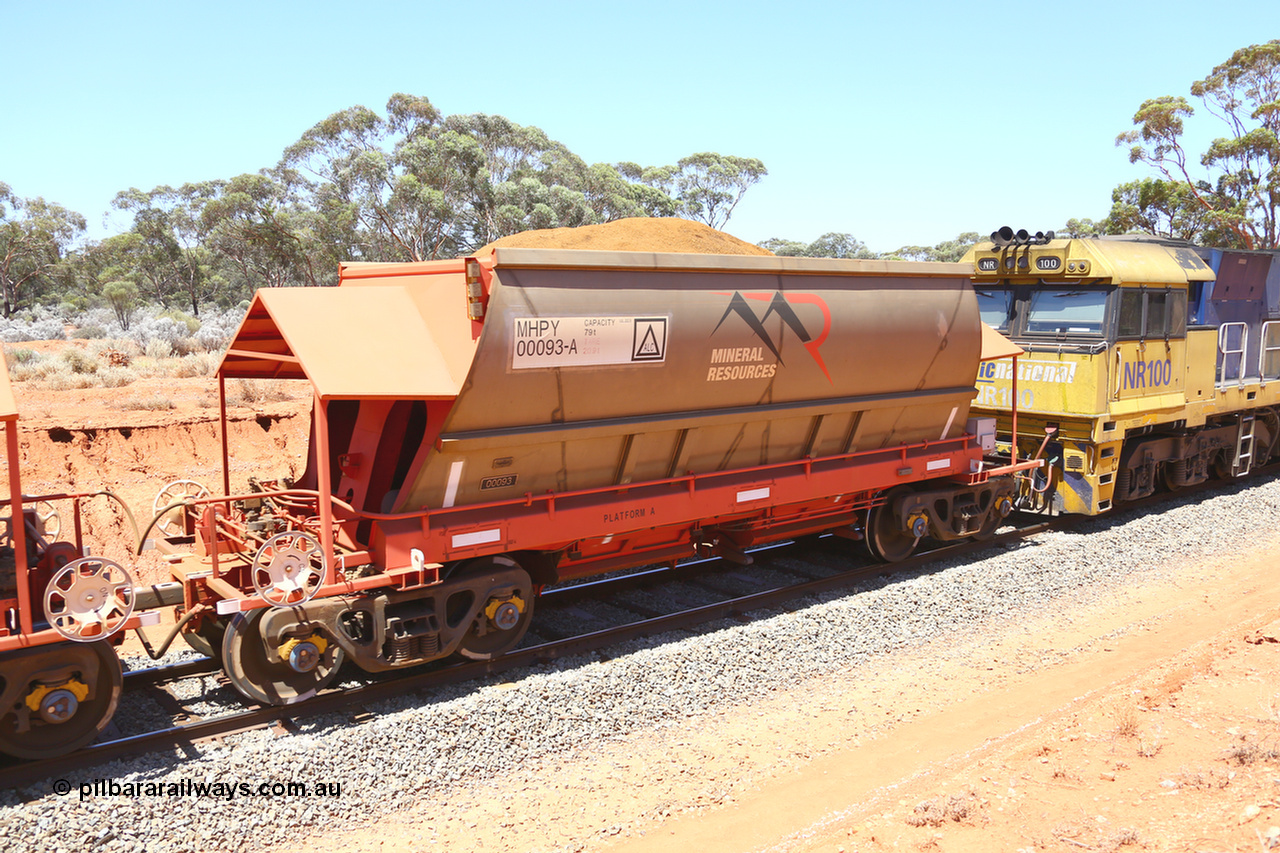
{"x": 189, "y": 788}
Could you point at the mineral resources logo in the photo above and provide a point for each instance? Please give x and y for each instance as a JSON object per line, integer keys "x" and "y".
{"x": 749, "y": 362}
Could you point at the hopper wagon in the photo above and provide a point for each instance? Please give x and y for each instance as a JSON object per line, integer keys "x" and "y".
{"x": 485, "y": 426}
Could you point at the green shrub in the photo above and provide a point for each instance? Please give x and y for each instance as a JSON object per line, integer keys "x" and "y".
{"x": 192, "y": 324}
{"x": 14, "y": 357}
{"x": 79, "y": 361}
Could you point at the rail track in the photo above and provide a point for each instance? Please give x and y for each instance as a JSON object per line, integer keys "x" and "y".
{"x": 803, "y": 574}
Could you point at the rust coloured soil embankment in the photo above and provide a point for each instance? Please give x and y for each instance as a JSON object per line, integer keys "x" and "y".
{"x": 135, "y": 462}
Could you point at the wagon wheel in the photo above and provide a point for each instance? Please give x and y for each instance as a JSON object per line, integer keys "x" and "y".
{"x": 48, "y": 522}
{"x": 66, "y": 716}
{"x": 885, "y": 540}
{"x": 502, "y": 618}
{"x": 288, "y": 569}
{"x": 89, "y": 599}
{"x": 308, "y": 665}
{"x": 178, "y": 490}
{"x": 47, "y": 527}
{"x": 207, "y": 639}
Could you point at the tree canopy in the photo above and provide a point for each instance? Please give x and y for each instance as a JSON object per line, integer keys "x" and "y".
{"x": 34, "y": 236}
{"x": 406, "y": 184}
{"x": 411, "y": 183}
{"x": 1231, "y": 191}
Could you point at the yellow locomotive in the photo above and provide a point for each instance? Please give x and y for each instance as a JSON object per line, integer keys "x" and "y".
{"x": 1149, "y": 363}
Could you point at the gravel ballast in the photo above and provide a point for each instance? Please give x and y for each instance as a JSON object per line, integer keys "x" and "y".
{"x": 417, "y": 747}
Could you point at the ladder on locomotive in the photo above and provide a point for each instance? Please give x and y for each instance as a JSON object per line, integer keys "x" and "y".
{"x": 1244, "y": 444}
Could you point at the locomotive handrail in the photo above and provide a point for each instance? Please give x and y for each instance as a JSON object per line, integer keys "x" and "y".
{"x": 1264, "y": 350}
{"x": 1224, "y": 340}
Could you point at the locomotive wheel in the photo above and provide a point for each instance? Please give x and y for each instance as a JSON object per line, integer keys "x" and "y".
{"x": 258, "y": 679}
{"x": 63, "y": 720}
{"x": 885, "y": 540}
{"x": 1222, "y": 465}
{"x": 502, "y": 618}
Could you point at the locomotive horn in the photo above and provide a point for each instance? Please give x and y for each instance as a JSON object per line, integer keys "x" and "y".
{"x": 1023, "y": 235}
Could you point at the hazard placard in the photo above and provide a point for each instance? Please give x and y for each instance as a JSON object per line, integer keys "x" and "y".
{"x": 584, "y": 341}
{"x": 649, "y": 340}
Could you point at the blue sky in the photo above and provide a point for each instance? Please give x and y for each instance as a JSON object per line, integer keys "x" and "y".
{"x": 900, "y": 123}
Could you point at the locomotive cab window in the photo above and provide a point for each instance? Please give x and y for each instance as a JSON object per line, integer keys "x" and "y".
{"x": 1152, "y": 313}
{"x": 1066, "y": 312}
{"x": 996, "y": 308}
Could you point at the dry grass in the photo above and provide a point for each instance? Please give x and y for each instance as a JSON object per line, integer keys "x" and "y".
{"x": 1149, "y": 748}
{"x": 247, "y": 392}
{"x": 1127, "y": 724}
{"x": 1248, "y": 751}
{"x": 958, "y": 808}
{"x": 1208, "y": 779}
{"x": 115, "y": 364}
{"x": 196, "y": 364}
{"x": 1122, "y": 838}
{"x": 153, "y": 403}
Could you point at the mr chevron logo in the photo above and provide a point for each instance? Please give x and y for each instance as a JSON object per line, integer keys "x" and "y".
{"x": 781, "y": 305}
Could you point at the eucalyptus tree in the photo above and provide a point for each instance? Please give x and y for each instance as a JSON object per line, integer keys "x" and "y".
{"x": 250, "y": 222}
{"x": 948, "y": 251}
{"x": 1237, "y": 180}
{"x": 829, "y": 245}
{"x": 710, "y": 185}
{"x": 34, "y": 237}
{"x": 1160, "y": 207}
{"x": 169, "y": 241}
{"x": 414, "y": 185}
{"x": 397, "y": 187}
